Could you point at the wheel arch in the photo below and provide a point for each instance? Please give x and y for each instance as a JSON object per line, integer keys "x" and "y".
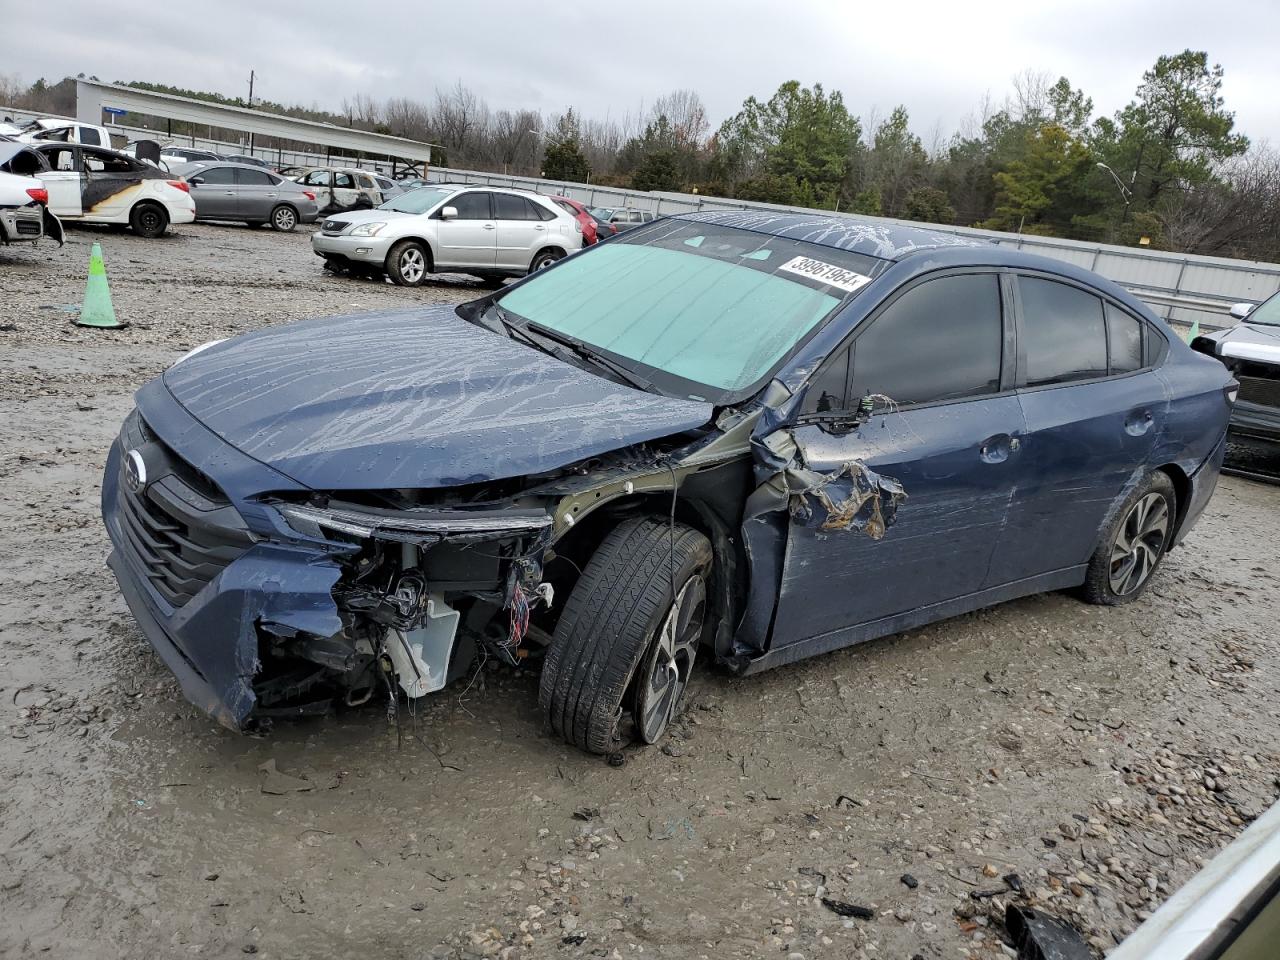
{"x": 1182, "y": 493}
{"x": 431, "y": 253}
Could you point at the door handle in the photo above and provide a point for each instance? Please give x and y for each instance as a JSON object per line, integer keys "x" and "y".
{"x": 997, "y": 449}
{"x": 539, "y": 227}
{"x": 488, "y": 226}
{"x": 1138, "y": 422}
{"x": 273, "y": 194}
{"x": 231, "y": 193}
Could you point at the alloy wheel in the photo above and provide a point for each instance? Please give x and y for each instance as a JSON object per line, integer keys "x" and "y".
{"x": 1139, "y": 543}
{"x": 665, "y": 671}
{"x": 413, "y": 265}
{"x": 285, "y": 220}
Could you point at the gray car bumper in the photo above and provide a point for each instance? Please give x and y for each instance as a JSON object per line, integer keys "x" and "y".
{"x": 356, "y": 249}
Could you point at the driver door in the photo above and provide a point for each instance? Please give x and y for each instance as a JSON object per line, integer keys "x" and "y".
{"x": 949, "y": 433}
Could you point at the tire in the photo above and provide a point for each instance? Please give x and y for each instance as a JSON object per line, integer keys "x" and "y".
{"x": 284, "y": 218}
{"x": 611, "y": 654}
{"x": 1133, "y": 544}
{"x": 545, "y": 258}
{"x": 149, "y": 220}
{"x": 408, "y": 263}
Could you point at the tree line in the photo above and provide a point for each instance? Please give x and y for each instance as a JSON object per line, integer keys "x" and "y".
{"x": 1169, "y": 169}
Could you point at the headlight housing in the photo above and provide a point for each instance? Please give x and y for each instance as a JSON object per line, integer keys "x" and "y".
{"x": 412, "y": 525}
{"x": 368, "y": 229}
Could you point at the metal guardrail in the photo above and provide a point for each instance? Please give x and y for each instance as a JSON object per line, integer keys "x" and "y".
{"x": 1183, "y": 288}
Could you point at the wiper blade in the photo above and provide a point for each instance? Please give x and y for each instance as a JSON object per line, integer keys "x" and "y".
{"x": 587, "y": 353}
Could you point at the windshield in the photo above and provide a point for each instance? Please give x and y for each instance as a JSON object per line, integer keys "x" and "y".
{"x": 1266, "y": 313}
{"x": 417, "y": 201}
{"x": 712, "y": 308}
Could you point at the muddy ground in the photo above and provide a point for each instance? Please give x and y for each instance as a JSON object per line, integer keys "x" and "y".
{"x": 1100, "y": 755}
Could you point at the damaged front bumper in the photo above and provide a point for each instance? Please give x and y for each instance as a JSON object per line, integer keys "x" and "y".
{"x": 267, "y": 608}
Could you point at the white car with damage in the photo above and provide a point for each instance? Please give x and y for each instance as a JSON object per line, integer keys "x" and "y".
{"x": 24, "y": 210}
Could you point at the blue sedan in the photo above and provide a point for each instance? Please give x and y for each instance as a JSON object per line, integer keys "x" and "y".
{"x": 733, "y": 437}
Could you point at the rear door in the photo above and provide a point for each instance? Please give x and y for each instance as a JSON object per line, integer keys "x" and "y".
{"x": 321, "y": 183}
{"x": 521, "y": 230}
{"x": 112, "y": 184}
{"x": 217, "y": 194}
{"x": 259, "y": 192}
{"x": 1094, "y": 408}
{"x": 937, "y": 360}
{"x": 467, "y": 240}
{"x": 63, "y": 180}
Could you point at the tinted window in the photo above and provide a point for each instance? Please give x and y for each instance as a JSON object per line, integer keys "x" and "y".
{"x": 385, "y": 184}
{"x": 256, "y": 178}
{"x": 940, "y": 340}
{"x": 1124, "y": 341}
{"x": 540, "y": 212}
{"x": 472, "y": 206}
{"x": 507, "y": 206}
{"x": 218, "y": 175}
{"x": 827, "y": 391}
{"x": 1062, "y": 332}
{"x": 90, "y": 136}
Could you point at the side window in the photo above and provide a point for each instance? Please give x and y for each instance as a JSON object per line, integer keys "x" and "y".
{"x": 317, "y": 178}
{"x": 99, "y": 161}
{"x": 255, "y": 178}
{"x": 538, "y": 212}
{"x": 218, "y": 175}
{"x": 384, "y": 184}
{"x": 827, "y": 390}
{"x": 344, "y": 181}
{"x": 940, "y": 340}
{"x": 1062, "y": 332}
{"x": 366, "y": 183}
{"x": 61, "y": 134}
{"x": 507, "y": 206}
{"x": 61, "y": 159}
{"x": 1124, "y": 341}
{"x": 90, "y": 136}
{"x": 471, "y": 206}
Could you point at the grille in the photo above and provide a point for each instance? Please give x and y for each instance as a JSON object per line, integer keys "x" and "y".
{"x": 1260, "y": 390}
{"x": 181, "y": 530}
{"x": 334, "y": 226}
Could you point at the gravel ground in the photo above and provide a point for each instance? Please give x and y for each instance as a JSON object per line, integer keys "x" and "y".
{"x": 1081, "y": 759}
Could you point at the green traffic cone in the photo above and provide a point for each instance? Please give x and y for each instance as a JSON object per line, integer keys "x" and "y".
{"x": 97, "y": 310}
{"x": 1194, "y": 331}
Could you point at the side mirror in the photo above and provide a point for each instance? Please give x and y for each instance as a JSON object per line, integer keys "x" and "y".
{"x": 196, "y": 181}
{"x": 1241, "y": 310}
{"x": 449, "y": 213}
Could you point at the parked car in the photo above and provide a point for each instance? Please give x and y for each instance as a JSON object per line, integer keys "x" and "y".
{"x": 96, "y": 185}
{"x": 604, "y": 229}
{"x": 623, "y": 217}
{"x": 389, "y": 188}
{"x": 245, "y": 158}
{"x": 582, "y": 215}
{"x": 1251, "y": 351}
{"x": 749, "y": 438}
{"x": 24, "y": 210}
{"x": 174, "y": 155}
{"x": 448, "y": 228}
{"x": 237, "y": 191}
{"x": 63, "y": 130}
{"x": 341, "y": 188}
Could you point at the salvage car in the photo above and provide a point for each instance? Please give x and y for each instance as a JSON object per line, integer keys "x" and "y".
{"x": 340, "y": 188}
{"x": 723, "y": 436}
{"x": 450, "y": 228}
{"x": 24, "y": 201}
{"x": 1251, "y": 351}
{"x": 96, "y": 185}
{"x": 63, "y": 130}
{"x": 249, "y": 194}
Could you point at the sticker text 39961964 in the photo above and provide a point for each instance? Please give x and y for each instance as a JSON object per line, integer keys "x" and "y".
{"x": 828, "y": 273}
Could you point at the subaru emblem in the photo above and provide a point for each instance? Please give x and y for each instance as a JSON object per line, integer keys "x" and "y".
{"x": 135, "y": 471}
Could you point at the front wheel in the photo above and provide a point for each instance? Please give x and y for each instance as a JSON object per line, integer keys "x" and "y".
{"x": 149, "y": 220}
{"x": 407, "y": 263}
{"x": 1134, "y": 543}
{"x": 623, "y": 651}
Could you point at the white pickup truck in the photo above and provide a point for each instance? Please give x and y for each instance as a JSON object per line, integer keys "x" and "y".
{"x": 57, "y": 129}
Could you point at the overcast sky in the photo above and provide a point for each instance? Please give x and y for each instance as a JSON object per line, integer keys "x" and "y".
{"x": 939, "y": 57}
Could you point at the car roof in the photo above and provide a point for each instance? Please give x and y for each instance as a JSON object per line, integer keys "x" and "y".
{"x": 885, "y": 240}
{"x": 203, "y": 164}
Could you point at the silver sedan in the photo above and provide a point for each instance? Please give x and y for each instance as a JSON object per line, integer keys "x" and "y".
{"x": 242, "y": 191}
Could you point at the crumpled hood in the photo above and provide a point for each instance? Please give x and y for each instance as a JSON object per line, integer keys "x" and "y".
{"x": 418, "y": 398}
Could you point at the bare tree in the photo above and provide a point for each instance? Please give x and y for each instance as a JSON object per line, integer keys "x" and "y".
{"x": 686, "y": 114}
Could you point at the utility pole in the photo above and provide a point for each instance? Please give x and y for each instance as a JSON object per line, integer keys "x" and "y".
{"x": 251, "y": 75}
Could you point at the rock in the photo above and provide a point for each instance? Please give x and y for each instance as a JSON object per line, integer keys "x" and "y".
{"x": 989, "y": 870}
{"x": 909, "y": 881}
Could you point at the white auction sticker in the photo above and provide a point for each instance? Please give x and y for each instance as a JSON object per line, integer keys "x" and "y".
{"x": 827, "y": 273}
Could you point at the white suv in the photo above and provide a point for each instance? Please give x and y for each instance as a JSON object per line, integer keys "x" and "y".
{"x": 443, "y": 228}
